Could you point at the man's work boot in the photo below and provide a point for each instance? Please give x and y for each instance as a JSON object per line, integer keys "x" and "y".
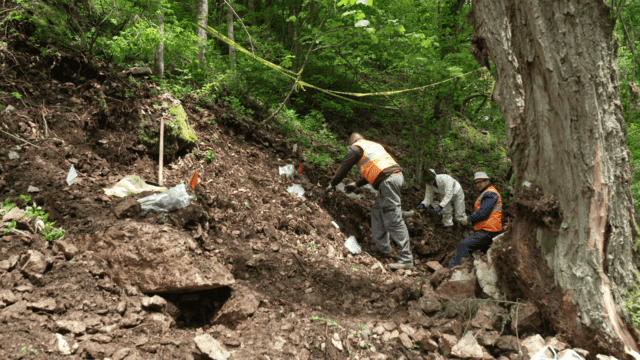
{"x": 401, "y": 265}
{"x": 385, "y": 255}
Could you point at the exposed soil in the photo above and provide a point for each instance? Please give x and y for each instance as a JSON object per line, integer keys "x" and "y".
{"x": 284, "y": 249}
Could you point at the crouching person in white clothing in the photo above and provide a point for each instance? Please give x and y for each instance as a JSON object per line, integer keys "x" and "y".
{"x": 452, "y": 197}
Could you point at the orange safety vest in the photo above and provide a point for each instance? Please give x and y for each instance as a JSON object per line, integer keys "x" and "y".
{"x": 494, "y": 222}
{"x": 374, "y": 159}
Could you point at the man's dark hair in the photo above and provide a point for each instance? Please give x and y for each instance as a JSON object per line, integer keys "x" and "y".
{"x": 355, "y": 137}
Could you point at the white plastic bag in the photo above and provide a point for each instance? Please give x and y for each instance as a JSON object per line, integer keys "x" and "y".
{"x": 566, "y": 354}
{"x": 352, "y": 245}
{"x": 287, "y": 170}
{"x": 296, "y": 189}
{"x": 174, "y": 199}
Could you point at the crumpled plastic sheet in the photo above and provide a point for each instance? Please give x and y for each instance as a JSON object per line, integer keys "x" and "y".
{"x": 287, "y": 170}
{"x": 73, "y": 174}
{"x": 296, "y": 189}
{"x": 131, "y": 184}
{"x": 174, "y": 199}
{"x": 352, "y": 245}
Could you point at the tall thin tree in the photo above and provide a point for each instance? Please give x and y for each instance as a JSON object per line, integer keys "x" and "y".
{"x": 202, "y": 14}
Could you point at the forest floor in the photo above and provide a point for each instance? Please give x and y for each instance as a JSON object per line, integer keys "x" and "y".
{"x": 284, "y": 285}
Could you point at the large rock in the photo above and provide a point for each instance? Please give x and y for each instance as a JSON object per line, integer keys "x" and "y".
{"x": 461, "y": 285}
{"x": 430, "y": 303}
{"x": 487, "y": 278}
{"x": 527, "y": 318}
{"x": 211, "y": 347}
{"x": 69, "y": 250}
{"x": 157, "y": 258}
{"x": 35, "y": 264}
{"x": 240, "y": 306}
{"x": 488, "y": 316}
{"x": 533, "y": 344}
{"x": 61, "y": 345}
{"x": 47, "y": 304}
{"x": 71, "y": 326}
{"x": 468, "y": 348}
{"x": 7, "y": 296}
{"x": 446, "y": 343}
{"x": 128, "y": 208}
{"x": 507, "y": 343}
{"x": 423, "y": 338}
{"x": 156, "y": 303}
{"x": 13, "y": 214}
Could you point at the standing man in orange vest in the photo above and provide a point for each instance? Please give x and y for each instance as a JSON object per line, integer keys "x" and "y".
{"x": 486, "y": 220}
{"x": 385, "y": 175}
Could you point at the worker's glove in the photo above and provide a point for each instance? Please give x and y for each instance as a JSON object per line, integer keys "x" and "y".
{"x": 464, "y": 222}
{"x": 329, "y": 188}
{"x": 351, "y": 187}
{"x": 420, "y": 206}
{"x": 438, "y": 209}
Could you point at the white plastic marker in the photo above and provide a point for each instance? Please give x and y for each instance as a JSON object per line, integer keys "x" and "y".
{"x": 73, "y": 174}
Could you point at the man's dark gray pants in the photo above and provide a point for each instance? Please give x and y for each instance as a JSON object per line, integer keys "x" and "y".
{"x": 387, "y": 221}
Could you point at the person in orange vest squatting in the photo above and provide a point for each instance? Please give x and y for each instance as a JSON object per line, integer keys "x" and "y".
{"x": 486, "y": 220}
{"x": 385, "y": 175}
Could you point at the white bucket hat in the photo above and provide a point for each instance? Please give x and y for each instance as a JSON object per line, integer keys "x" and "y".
{"x": 480, "y": 175}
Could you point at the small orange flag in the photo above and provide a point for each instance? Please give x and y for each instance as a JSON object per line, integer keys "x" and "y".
{"x": 300, "y": 169}
{"x": 194, "y": 180}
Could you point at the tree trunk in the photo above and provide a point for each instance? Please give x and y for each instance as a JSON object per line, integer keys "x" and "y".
{"x": 232, "y": 50}
{"x": 202, "y": 13}
{"x": 569, "y": 248}
{"x": 159, "y": 65}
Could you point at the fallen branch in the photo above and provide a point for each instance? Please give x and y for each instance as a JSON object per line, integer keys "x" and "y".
{"x": 17, "y": 137}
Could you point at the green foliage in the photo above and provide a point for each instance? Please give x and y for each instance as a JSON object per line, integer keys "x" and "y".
{"x": 11, "y": 225}
{"x": 6, "y": 206}
{"x": 180, "y": 127}
{"x": 632, "y": 303}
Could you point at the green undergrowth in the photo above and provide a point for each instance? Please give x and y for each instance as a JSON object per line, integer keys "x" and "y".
{"x": 632, "y": 305}
{"x": 35, "y": 216}
{"x": 470, "y": 147}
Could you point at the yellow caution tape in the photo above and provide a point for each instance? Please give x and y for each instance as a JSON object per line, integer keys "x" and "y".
{"x": 299, "y": 84}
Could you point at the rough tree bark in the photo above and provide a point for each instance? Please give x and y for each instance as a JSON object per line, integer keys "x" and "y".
{"x": 569, "y": 248}
{"x": 202, "y": 13}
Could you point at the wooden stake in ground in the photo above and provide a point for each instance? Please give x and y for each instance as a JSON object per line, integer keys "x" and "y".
{"x": 161, "y": 151}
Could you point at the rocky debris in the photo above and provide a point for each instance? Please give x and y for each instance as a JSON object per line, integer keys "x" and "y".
{"x": 155, "y": 303}
{"x": 35, "y": 264}
{"x": 439, "y": 276}
{"x": 488, "y": 316}
{"x": 61, "y": 345}
{"x": 33, "y": 189}
{"x": 434, "y": 265}
{"x": 461, "y": 285}
{"x": 71, "y": 326}
{"x": 69, "y": 250}
{"x": 98, "y": 351}
{"x": 47, "y": 304}
{"x": 531, "y": 345}
{"x": 13, "y": 214}
{"x": 556, "y": 344}
{"x": 581, "y": 352}
{"x": 239, "y": 307}
{"x": 8, "y": 111}
{"x": 507, "y": 343}
{"x": 430, "y": 303}
{"x": 158, "y": 258}
{"x": 8, "y": 297}
{"x": 406, "y": 341}
{"x": 604, "y": 357}
{"x": 468, "y": 347}
{"x": 423, "y": 338}
{"x": 446, "y": 343}
{"x": 129, "y": 208}
{"x": 487, "y": 338}
{"x": 211, "y": 347}
{"x": 487, "y": 277}
{"x": 527, "y": 318}
{"x": 120, "y": 353}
